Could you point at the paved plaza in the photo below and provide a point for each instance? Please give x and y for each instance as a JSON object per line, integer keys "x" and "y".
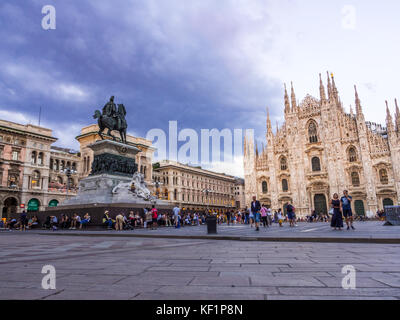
{"x": 121, "y": 267}
{"x": 371, "y": 231}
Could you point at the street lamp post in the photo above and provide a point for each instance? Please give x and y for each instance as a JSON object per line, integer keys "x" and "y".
{"x": 207, "y": 192}
{"x": 211, "y": 219}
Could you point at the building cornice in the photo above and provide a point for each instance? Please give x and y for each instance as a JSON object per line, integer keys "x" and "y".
{"x": 28, "y": 133}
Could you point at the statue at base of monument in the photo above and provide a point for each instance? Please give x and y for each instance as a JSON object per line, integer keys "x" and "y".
{"x": 137, "y": 187}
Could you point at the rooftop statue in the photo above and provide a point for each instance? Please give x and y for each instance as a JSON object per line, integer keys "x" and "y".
{"x": 112, "y": 118}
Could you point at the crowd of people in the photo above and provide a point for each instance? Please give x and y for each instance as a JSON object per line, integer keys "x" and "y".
{"x": 256, "y": 215}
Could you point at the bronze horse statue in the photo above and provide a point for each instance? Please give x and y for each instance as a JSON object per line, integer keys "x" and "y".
{"x": 116, "y": 122}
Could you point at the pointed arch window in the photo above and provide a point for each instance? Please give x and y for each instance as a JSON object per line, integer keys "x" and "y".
{"x": 383, "y": 176}
{"x": 312, "y": 132}
{"x": 316, "y": 164}
{"x": 283, "y": 164}
{"x": 355, "y": 179}
{"x": 285, "y": 185}
{"x": 352, "y": 154}
{"x": 264, "y": 187}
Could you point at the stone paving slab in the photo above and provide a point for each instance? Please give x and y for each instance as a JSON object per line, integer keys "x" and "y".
{"x": 107, "y": 268}
{"x": 366, "y": 232}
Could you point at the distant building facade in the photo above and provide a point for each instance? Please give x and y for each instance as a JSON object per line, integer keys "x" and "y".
{"x": 186, "y": 186}
{"x": 320, "y": 150}
{"x": 239, "y": 191}
{"x": 33, "y": 172}
{"x": 26, "y": 154}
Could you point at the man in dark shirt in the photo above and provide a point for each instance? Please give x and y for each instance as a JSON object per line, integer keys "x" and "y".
{"x": 255, "y": 209}
{"x": 291, "y": 216}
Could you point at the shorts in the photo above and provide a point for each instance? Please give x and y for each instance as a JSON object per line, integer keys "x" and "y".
{"x": 290, "y": 215}
{"x": 154, "y": 220}
{"x": 257, "y": 217}
{"x": 347, "y": 212}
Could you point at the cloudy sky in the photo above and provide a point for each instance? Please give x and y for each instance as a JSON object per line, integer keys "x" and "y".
{"x": 205, "y": 63}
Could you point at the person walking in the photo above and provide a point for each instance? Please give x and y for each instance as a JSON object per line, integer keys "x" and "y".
{"x": 337, "y": 218}
{"x": 247, "y": 216}
{"x": 229, "y": 217}
{"x": 291, "y": 216}
{"x": 269, "y": 216}
{"x": 279, "y": 217}
{"x": 264, "y": 216}
{"x": 148, "y": 219}
{"x": 345, "y": 204}
{"x": 154, "y": 215}
{"x": 255, "y": 210}
{"x": 176, "y": 212}
{"x": 23, "y": 221}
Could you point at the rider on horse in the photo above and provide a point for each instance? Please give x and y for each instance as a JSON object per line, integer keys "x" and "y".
{"x": 112, "y": 118}
{"x": 110, "y": 110}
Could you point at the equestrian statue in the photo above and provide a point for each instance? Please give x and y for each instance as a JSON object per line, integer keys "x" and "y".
{"x": 112, "y": 119}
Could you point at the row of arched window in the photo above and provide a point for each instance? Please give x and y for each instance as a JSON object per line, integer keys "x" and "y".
{"x": 285, "y": 186}
{"x": 355, "y": 179}
{"x": 315, "y": 164}
{"x": 37, "y": 158}
{"x": 60, "y": 165}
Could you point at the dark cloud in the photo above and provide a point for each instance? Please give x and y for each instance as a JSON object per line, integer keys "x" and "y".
{"x": 189, "y": 61}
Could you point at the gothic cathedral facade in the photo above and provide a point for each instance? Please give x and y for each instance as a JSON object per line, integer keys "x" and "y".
{"x": 321, "y": 150}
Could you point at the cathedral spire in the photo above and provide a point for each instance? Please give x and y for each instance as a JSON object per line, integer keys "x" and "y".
{"x": 322, "y": 89}
{"x": 269, "y": 126}
{"x": 287, "y": 104}
{"x": 257, "y": 149}
{"x": 389, "y": 120}
{"x": 334, "y": 89}
{"x": 245, "y": 144}
{"x": 293, "y": 96}
{"x": 358, "y": 102}
{"x": 330, "y": 90}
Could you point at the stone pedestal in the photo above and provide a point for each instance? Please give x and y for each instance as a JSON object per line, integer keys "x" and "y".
{"x": 113, "y": 163}
{"x": 109, "y": 184}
